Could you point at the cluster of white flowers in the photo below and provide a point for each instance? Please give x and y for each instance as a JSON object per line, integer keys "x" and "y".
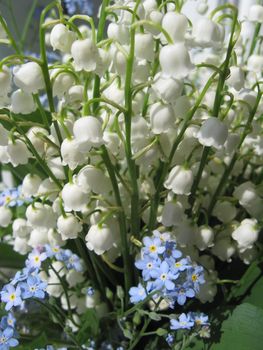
{"x": 175, "y": 120}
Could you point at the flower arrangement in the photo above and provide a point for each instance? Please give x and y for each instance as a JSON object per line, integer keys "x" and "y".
{"x": 134, "y": 218}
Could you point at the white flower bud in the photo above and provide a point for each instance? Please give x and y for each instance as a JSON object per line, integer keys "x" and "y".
{"x": 61, "y": 83}
{"x": 204, "y": 237}
{"x": 30, "y": 185}
{"x": 88, "y": 133}
{"x": 61, "y": 38}
{"x": 245, "y": 193}
{"x": 246, "y": 234}
{"x": 5, "y": 80}
{"x": 92, "y": 300}
{"x": 161, "y": 118}
{"x": 176, "y": 25}
{"x": 207, "y": 33}
{"x": 38, "y": 237}
{"x": 225, "y": 211}
{"x": 20, "y": 228}
{"x": 72, "y": 301}
{"x": 29, "y": 77}
{"x": 22, "y": 102}
{"x": 100, "y": 238}
{"x": 167, "y": 89}
{"x": 71, "y": 154}
{"x": 175, "y": 61}
{"x": 249, "y": 255}
{"x": 68, "y": 226}
{"x": 18, "y": 153}
{"x": 255, "y": 13}
{"x": 85, "y": 55}
{"x": 237, "y": 78}
{"x": 213, "y": 133}
{"x": 179, "y": 180}
{"x": 74, "y": 198}
{"x": 5, "y": 216}
{"x": 3, "y": 136}
{"x": 144, "y": 46}
{"x": 92, "y": 179}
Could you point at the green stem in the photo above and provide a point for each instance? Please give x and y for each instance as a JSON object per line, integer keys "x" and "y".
{"x": 10, "y": 36}
{"x": 28, "y": 22}
{"x": 254, "y": 40}
{"x": 122, "y": 220}
{"x": 135, "y": 200}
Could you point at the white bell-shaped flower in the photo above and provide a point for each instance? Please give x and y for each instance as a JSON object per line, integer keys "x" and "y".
{"x": 249, "y": 255}
{"x": 92, "y": 300}
{"x": 144, "y": 46}
{"x": 73, "y": 197}
{"x": 20, "y": 246}
{"x": 38, "y": 237}
{"x": 41, "y": 215}
{"x": 213, "y": 133}
{"x": 20, "y": 228}
{"x": 85, "y": 55}
{"x": 100, "y": 238}
{"x": 175, "y": 61}
{"x": 204, "y": 237}
{"x": 245, "y": 193}
{"x": 74, "y": 277}
{"x": 54, "y": 287}
{"x": 246, "y": 234}
{"x": 225, "y": 211}
{"x": 255, "y": 13}
{"x": 3, "y": 136}
{"x": 207, "y": 33}
{"x": 61, "y": 38}
{"x": 4, "y": 156}
{"x": 68, "y": 226}
{"x": 88, "y": 133}
{"x": 168, "y": 89}
{"x": 176, "y": 25}
{"x": 139, "y": 132}
{"x": 74, "y": 96}
{"x": 118, "y": 32}
{"x": 224, "y": 249}
{"x": 185, "y": 233}
{"x": 172, "y": 214}
{"x": 237, "y": 78}
{"x": 161, "y": 118}
{"x": 255, "y": 63}
{"x": 71, "y": 154}
{"x": 180, "y": 180}
{"x": 92, "y": 179}
{"x": 5, "y": 80}
{"x": 30, "y": 185}
{"x": 29, "y": 77}
{"x": 18, "y": 153}
{"x": 61, "y": 83}
{"x": 22, "y": 102}
{"x": 5, "y": 216}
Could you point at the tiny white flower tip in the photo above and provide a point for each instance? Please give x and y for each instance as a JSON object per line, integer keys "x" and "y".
{"x": 213, "y": 133}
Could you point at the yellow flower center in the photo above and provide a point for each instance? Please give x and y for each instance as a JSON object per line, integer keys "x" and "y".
{"x": 8, "y": 199}
{"x": 178, "y": 264}
{"x": 12, "y": 297}
{"x": 194, "y": 278}
{"x": 152, "y": 248}
{"x": 149, "y": 265}
{"x": 36, "y": 258}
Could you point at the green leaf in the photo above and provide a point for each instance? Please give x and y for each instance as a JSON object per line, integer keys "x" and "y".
{"x": 242, "y": 330}
{"x": 161, "y": 332}
{"x": 252, "y": 274}
{"x": 154, "y": 316}
{"x": 40, "y": 342}
{"x": 9, "y": 258}
{"x": 90, "y": 326}
{"x": 255, "y": 295}
{"x": 127, "y": 334}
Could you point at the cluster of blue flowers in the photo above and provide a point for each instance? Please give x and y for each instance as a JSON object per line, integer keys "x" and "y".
{"x": 189, "y": 321}
{"x": 8, "y": 333}
{"x": 71, "y": 260}
{"x": 84, "y": 7}
{"x": 165, "y": 271}
{"x": 11, "y": 197}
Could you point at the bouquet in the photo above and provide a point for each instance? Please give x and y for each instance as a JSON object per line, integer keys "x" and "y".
{"x": 132, "y": 216}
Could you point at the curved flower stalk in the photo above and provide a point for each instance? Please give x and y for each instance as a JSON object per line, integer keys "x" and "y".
{"x": 139, "y": 142}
